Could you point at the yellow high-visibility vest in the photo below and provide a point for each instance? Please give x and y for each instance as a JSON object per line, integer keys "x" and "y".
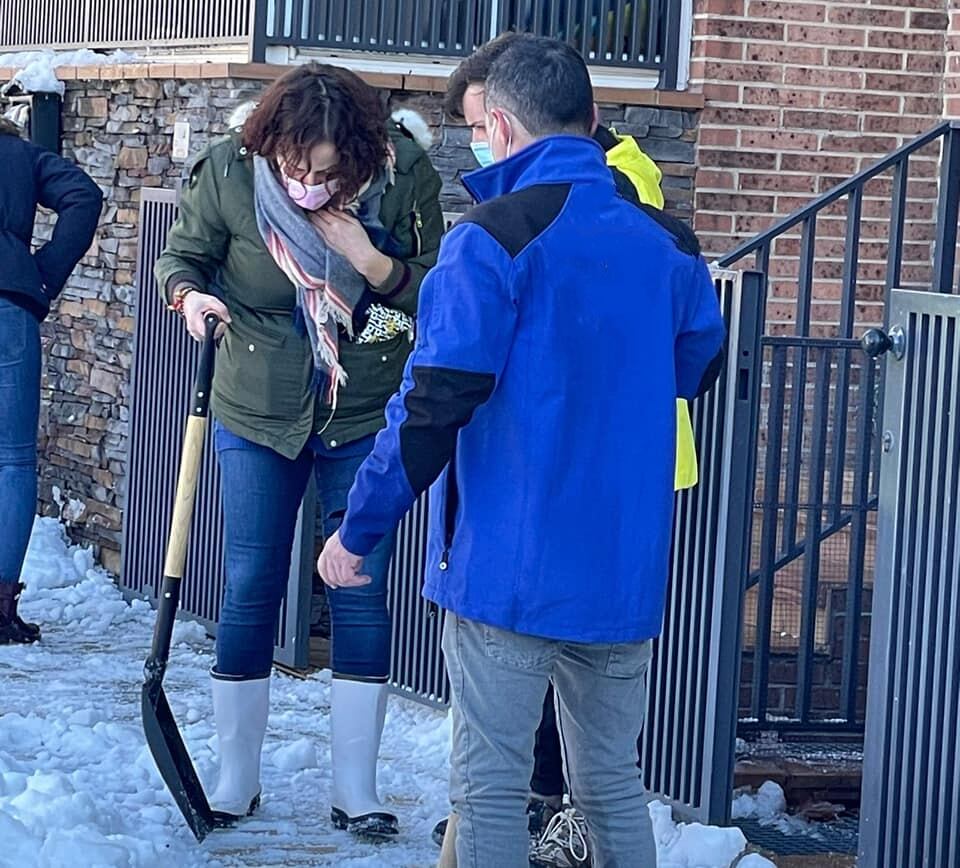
{"x": 645, "y": 175}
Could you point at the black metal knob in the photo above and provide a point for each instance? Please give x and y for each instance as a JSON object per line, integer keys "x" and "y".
{"x": 875, "y": 343}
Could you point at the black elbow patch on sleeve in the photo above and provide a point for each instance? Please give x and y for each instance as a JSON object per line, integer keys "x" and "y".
{"x": 440, "y": 403}
{"x": 711, "y": 374}
{"x": 683, "y": 236}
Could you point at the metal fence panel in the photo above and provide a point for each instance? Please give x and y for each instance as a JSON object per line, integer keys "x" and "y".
{"x": 911, "y": 779}
{"x": 164, "y": 362}
{"x": 112, "y": 23}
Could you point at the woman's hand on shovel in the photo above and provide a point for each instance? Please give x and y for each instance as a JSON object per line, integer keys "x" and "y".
{"x": 196, "y": 306}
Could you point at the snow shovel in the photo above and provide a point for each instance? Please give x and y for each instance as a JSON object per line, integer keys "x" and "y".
{"x": 159, "y": 726}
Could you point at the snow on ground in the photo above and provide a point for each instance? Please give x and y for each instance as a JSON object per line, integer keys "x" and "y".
{"x": 78, "y": 786}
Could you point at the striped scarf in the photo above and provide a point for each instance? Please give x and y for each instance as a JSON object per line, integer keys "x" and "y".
{"x": 328, "y": 286}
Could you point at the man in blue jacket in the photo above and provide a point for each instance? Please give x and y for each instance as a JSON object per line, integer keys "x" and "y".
{"x": 29, "y": 281}
{"x": 554, "y": 335}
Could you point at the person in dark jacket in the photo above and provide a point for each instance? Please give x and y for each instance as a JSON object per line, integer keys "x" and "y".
{"x": 308, "y": 231}
{"x": 29, "y": 282}
{"x": 551, "y": 434}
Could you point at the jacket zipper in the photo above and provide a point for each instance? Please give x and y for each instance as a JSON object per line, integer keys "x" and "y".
{"x": 417, "y": 221}
{"x": 450, "y": 503}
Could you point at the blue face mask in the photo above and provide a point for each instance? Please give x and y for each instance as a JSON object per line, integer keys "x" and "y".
{"x": 482, "y": 153}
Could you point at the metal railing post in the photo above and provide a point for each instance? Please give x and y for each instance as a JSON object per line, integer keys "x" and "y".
{"x": 948, "y": 211}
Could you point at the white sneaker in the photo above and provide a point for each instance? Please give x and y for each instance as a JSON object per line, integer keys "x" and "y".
{"x": 564, "y": 842}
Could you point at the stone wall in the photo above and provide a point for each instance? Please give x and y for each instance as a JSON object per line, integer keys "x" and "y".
{"x": 119, "y": 129}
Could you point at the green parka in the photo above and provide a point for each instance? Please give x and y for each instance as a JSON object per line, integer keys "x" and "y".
{"x": 262, "y": 386}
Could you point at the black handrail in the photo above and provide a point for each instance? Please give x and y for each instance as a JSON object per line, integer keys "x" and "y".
{"x": 852, "y": 185}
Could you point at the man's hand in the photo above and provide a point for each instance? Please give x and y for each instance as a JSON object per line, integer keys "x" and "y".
{"x": 339, "y": 568}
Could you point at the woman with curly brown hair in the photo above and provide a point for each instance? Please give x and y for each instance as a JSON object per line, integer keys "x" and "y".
{"x": 307, "y": 231}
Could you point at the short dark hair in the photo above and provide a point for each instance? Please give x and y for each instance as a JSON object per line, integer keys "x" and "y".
{"x": 545, "y": 84}
{"x": 316, "y": 103}
{"x": 474, "y": 70}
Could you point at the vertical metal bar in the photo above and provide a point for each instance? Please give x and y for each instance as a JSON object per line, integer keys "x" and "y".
{"x": 740, "y": 442}
{"x": 904, "y": 611}
{"x": 898, "y": 210}
{"x": 768, "y": 538}
{"x": 851, "y": 262}
{"x": 858, "y": 542}
{"x": 670, "y": 60}
{"x": 602, "y": 28}
{"x": 620, "y": 53}
{"x": 948, "y": 212}
{"x": 948, "y": 791}
{"x": 651, "y": 52}
{"x": 936, "y": 599}
{"x": 258, "y": 29}
{"x": 798, "y": 388}
{"x": 811, "y": 571}
{"x": 926, "y": 505}
{"x": 434, "y": 33}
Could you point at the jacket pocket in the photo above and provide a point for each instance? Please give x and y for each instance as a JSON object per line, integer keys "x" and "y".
{"x": 518, "y": 650}
{"x": 264, "y": 373}
{"x": 374, "y": 372}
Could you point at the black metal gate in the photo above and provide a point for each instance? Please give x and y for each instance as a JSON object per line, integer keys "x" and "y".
{"x": 164, "y": 362}
{"x": 814, "y": 520}
{"x": 911, "y": 782}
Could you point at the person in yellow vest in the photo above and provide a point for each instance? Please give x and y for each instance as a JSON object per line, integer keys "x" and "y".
{"x": 558, "y": 835}
{"x": 634, "y": 169}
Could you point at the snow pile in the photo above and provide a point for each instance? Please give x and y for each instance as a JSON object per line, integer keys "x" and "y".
{"x": 693, "y": 845}
{"x": 769, "y": 808}
{"x": 37, "y": 69}
{"x": 78, "y": 786}
{"x": 768, "y": 803}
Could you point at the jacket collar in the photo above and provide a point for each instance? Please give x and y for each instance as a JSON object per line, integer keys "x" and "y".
{"x": 552, "y": 160}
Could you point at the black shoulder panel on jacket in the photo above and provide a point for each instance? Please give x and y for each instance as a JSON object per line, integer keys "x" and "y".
{"x": 440, "y": 403}
{"x": 683, "y": 235}
{"x": 518, "y": 218}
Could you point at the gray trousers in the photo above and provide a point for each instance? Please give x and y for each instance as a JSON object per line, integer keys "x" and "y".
{"x": 498, "y": 681}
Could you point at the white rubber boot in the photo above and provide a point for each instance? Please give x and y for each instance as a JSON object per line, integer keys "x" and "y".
{"x": 357, "y": 712}
{"x": 240, "y": 708}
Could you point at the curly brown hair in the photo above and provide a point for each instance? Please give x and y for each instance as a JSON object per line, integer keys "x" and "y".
{"x": 316, "y": 103}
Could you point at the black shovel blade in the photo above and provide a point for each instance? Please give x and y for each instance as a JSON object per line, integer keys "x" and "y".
{"x": 173, "y": 761}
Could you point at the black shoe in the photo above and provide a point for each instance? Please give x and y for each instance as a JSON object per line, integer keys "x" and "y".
{"x": 224, "y": 820}
{"x": 378, "y": 825}
{"x": 13, "y": 629}
{"x": 539, "y": 815}
{"x": 439, "y": 831}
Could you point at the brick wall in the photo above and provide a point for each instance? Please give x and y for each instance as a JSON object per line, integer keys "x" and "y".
{"x": 951, "y": 87}
{"x": 120, "y": 131}
{"x": 800, "y": 96}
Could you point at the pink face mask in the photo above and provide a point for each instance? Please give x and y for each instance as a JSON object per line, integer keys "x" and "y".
{"x": 310, "y": 197}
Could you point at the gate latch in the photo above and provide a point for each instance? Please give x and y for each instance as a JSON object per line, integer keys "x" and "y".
{"x": 875, "y": 342}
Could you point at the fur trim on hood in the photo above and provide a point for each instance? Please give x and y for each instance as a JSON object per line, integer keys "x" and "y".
{"x": 411, "y": 121}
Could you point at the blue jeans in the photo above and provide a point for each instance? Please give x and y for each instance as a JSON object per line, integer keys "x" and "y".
{"x": 19, "y": 414}
{"x": 261, "y": 492}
